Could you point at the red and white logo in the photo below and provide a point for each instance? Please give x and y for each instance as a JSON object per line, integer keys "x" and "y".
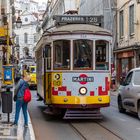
{"x": 83, "y": 79}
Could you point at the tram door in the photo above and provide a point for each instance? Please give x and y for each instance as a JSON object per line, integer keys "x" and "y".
{"x": 47, "y": 74}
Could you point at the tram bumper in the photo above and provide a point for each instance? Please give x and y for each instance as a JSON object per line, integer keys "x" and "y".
{"x": 80, "y": 102}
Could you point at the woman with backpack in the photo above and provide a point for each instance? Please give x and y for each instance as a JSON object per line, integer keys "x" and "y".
{"x": 19, "y": 92}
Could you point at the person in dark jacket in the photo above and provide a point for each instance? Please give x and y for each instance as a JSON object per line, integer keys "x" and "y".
{"x": 19, "y": 91}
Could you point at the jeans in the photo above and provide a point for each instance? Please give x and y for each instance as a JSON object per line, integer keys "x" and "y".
{"x": 21, "y": 104}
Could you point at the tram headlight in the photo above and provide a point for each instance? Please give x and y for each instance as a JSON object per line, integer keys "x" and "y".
{"x": 83, "y": 90}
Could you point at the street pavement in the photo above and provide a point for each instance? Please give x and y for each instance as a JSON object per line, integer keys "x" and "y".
{"x": 114, "y": 92}
{"x": 8, "y": 132}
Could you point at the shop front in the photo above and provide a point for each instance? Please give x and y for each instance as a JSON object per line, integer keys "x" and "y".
{"x": 125, "y": 61}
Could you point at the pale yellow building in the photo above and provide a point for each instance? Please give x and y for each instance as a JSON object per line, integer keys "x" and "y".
{"x": 127, "y": 51}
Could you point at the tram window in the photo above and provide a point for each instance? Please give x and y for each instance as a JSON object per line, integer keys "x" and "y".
{"x": 33, "y": 70}
{"x": 47, "y": 55}
{"x": 82, "y": 50}
{"x": 62, "y": 54}
{"x": 102, "y": 55}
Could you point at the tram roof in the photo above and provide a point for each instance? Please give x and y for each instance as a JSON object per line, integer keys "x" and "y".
{"x": 76, "y": 28}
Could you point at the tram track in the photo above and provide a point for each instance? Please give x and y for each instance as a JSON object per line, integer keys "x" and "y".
{"x": 77, "y": 132}
{"x": 82, "y": 135}
{"x": 109, "y": 131}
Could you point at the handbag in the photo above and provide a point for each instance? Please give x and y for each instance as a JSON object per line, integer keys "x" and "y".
{"x": 27, "y": 95}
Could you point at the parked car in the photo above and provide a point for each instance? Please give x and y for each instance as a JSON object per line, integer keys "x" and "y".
{"x": 129, "y": 92}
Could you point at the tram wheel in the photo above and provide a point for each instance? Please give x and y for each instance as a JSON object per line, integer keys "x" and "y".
{"x": 120, "y": 106}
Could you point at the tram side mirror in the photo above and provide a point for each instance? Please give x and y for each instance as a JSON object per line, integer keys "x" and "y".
{"x": 45, "y": 53}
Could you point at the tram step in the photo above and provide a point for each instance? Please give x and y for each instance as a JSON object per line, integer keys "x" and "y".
{"x": 82, "y": 114}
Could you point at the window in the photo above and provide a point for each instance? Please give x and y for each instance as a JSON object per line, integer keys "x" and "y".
{"x": 26, "y": 19}
{"x": 121, "y": 24}
{"x": 33, "y": 70}
{"x": 125, "y": 63}
{"x": 47, "y": 55}
{"x": 131, "y": 19}
{"x": 137, "y": 77}
{"x": 61, "y": 54}
{"x": 26, "y": 38}
{"x": 82, "y": 50}
{"x": 35, "y": 38}
{"x": 106, "y": 4}
{"x": 17, "y": 39}
{"x": 102, "y": 55}
{"x": 128, "y": 78}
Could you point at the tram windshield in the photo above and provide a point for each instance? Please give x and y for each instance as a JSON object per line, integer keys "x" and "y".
{"x": 83, "y": 58}
{"x": 82, "y": 50}
{"x": 61, "y": 54}
{"x": 33, "y": 70}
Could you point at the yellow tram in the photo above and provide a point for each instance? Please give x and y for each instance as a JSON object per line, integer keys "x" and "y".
{"x": 32, "y": 73}
{"x": 73, "y": 68}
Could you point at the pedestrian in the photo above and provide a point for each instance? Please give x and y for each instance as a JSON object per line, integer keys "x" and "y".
{"x": 19, "y": 91}
{"x": 113, "y": 80}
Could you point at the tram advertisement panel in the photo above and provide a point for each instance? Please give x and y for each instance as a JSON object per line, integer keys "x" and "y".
{"x": 79, "y": 84}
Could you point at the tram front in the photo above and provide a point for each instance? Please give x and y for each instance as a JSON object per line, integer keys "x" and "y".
{"x": 77, "y": 70}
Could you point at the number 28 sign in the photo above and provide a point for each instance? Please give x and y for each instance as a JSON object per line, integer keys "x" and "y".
{"x": 57, "y": 79}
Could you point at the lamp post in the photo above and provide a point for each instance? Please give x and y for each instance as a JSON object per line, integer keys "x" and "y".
{"x": 18, "y": 22}
{"x": 18, "y": 25}
{"x": 8, "y": 47}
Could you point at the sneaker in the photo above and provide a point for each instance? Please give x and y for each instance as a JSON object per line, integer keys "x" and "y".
{"x": 13, "y": 124}
{"x": 26, "y": 125}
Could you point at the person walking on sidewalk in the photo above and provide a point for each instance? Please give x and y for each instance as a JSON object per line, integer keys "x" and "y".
{"x": 19, "y": 91}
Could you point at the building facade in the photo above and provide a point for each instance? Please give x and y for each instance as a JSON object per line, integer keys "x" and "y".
{"x": 105, "y": 8}
{"x": 58, "y": 7}
{"x": 26, "y": 36}
{"x": 6, "y": 33}
{"x": 127, "y": 51}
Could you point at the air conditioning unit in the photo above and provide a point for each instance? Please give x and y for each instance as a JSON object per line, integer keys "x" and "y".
{"x": 138, "y": 1}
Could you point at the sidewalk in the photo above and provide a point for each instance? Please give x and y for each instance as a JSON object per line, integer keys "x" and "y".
{"x": 19, "y": 132}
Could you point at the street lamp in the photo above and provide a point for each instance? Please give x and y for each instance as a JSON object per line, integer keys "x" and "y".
{"x": 18, "y": 22}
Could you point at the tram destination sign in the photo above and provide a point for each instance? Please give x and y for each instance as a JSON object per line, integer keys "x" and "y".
{"x": 78, "y": 19}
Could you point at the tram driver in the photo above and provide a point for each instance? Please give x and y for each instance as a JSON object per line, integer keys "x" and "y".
{"x": 82, "y": 62}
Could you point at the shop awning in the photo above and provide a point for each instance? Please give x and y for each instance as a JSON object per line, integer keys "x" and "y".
{"x": 3, "y": 41}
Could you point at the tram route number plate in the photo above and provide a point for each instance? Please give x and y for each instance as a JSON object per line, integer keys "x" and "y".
{"x": 57, "y": 83}
{"x": 57, "y": 79}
